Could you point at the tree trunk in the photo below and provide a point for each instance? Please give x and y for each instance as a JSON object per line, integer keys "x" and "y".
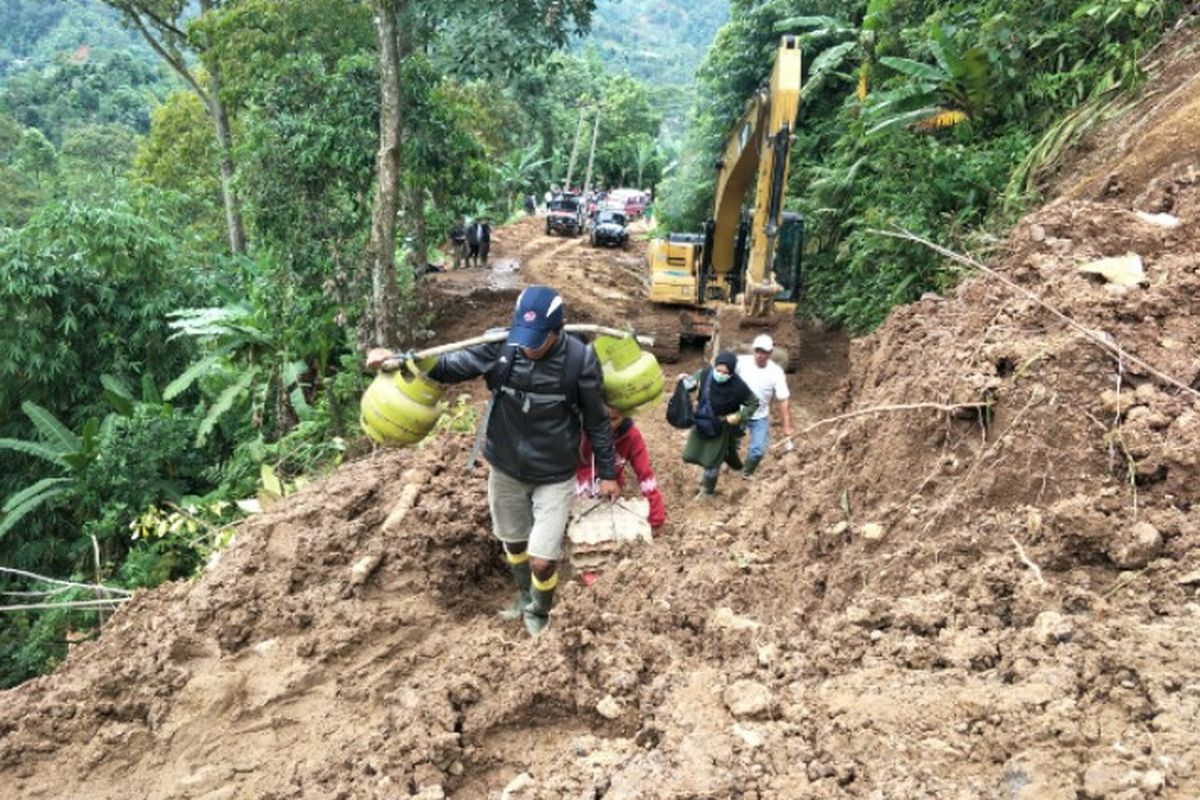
{"x": 381, "y": 250}
{"x": 144, "y": 20}
{"x": 233, "y": 212}
{"x": 416, "y": 212}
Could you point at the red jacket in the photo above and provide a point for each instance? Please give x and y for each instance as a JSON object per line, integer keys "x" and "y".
{"x": 630, "y": 449}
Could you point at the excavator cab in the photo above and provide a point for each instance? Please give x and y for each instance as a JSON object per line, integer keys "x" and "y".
{"x": 786, "y": 264}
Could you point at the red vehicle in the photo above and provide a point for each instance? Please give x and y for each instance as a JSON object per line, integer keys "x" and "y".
{"x": 632, "y": 200}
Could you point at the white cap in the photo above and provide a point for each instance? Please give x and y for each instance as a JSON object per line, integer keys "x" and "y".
{"x": 763, "y": 342}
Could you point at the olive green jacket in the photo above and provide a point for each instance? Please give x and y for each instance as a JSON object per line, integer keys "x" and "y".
{"x": 724, "y": 446}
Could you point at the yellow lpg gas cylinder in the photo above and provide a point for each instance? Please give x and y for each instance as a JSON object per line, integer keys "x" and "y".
{"x": 401, "y": 407}
{"x": 632, "y": 376}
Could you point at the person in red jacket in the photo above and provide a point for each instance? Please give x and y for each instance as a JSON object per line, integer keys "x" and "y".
{"x": 630, "y": 450}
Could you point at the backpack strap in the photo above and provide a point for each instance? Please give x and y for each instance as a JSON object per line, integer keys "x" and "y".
{"x": 498, "y": 375}
{"x": 577, "y": 351}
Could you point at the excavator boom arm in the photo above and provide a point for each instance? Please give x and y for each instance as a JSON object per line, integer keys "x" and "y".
{"x": 759, "y": 144}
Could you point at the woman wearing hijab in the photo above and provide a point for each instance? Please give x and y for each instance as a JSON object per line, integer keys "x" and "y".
{"x": 723, "y": 404}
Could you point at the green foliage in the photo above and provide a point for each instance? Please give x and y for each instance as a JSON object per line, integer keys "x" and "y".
{"x": 95, "y": 88}
{"x": 661, "y": 42}
{"x": 942, "y": 111}
{"x": 35, "y": 34}
{"x": 84, "y": 287}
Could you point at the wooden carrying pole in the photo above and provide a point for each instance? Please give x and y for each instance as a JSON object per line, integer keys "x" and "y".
{"x": 492, "y": 337}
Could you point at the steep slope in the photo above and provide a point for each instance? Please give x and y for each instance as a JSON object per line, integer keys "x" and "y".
{"x": 913, "y": 604}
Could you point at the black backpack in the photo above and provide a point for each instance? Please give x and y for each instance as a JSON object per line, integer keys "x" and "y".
{"x": 704, "y": 418}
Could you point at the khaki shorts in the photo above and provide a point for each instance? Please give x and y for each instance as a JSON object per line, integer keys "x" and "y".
{"x": 530, "y": 512}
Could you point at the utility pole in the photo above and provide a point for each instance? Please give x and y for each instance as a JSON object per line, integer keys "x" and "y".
{"x": 574, "y": 151}
{"x": 587, "y": 183}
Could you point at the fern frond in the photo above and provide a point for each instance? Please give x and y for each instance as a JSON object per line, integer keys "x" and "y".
{"x": 51, "y": 429}
{"x": 191, "y": 374}
{"x": 35, "y": 449}
{"x": 19, "y": 511}
{"x": 32, "y": 490}
{"x": 943, "y": 119}
{"x": 223, "y": 403}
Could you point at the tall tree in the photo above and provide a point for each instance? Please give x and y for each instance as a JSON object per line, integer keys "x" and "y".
{"x": 161, "y": 24}
{"x": 465, "y": 37}
{"x": 381, "y": 249}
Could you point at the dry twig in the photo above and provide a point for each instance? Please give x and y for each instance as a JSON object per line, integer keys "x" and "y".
{"x": 1037, "y": 571}
{"x": 949, "y": 409}
{"x": 93, "y": 604}
{"x": 56, "y": 581}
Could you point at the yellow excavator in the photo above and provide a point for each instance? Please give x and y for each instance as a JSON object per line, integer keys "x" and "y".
{"x": 745, "y": 266}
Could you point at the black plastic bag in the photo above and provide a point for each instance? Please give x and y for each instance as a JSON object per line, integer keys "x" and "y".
{"x": 679, "y": 409}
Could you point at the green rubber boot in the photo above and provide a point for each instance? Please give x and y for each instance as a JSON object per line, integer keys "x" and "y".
{"x": 541, "y": 598}
{"x": 708, "y": 487}
{"x": 748, "y": 469}
{"x": 523, "y": 577}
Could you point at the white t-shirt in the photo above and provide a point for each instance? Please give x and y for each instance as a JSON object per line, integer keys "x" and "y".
{"x": 767, "y": 383}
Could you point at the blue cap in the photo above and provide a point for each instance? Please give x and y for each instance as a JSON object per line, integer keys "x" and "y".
{"x": 539, "y": 311}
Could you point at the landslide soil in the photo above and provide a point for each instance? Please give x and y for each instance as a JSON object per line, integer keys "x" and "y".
{"x": 913, "y": 604}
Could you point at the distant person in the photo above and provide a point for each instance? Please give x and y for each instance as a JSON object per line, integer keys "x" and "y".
{"x": 479, "y": 241}
{"x": 630, "y": 450}
{"x": 458, "y": 243}
{"x": 723, "y": 404}
{"x": 530, "y": 205}
{"x": 766, "y": 379}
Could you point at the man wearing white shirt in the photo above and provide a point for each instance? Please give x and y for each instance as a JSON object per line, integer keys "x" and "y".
{"x": 766, "y": 379}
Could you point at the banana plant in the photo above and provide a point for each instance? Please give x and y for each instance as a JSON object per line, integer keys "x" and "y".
{"x": 244, "y": 359}
{"x": 954, "y": 90}
{"x": 851, "y": 43}
{"x": 70, "y": 453}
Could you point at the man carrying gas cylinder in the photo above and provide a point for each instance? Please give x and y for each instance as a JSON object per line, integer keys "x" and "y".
{"x": 545, "y": 386}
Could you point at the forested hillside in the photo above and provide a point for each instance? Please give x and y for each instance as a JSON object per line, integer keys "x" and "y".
{"x": 35, "y": 33}
{"x": 662, "y": 41}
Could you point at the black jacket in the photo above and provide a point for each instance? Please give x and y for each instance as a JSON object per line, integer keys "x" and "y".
{"x": 536, "y": 440}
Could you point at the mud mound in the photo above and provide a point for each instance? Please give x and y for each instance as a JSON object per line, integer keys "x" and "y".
{"x": 1124, "y": 157}
{"x": 1000, "y": 602}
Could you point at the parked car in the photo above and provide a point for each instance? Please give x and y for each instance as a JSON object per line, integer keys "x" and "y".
{"x": 632, "y": 201}
{"x": 609, "y": 229}
{"x": 565, "y": 215}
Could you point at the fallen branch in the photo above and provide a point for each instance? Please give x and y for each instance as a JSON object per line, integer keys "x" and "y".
{"x": 1037, "y": 571}
{"x": 56, "y": 581}
{"x": 93, "y": 604}
{"x": 45, "y": 593}
{"x": 1104, "y": 341}
{"x": 883, "y": 410}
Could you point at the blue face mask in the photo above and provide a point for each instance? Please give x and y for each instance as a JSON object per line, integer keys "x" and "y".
{"x": 721, "y": 377}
